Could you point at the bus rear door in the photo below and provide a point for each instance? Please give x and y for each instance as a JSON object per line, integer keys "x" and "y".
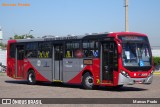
{"x": 19, "y": 61}
{"x": 57, "y": 62}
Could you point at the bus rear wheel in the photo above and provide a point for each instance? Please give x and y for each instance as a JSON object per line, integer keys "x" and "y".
{"x": 31, "y": 77}
{"x": 87, "y": 81}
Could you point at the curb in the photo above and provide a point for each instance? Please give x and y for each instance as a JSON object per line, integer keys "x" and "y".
{"x": 2, "y": 74}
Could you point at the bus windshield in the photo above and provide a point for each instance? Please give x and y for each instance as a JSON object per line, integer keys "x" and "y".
{"x": 136, "y": 54}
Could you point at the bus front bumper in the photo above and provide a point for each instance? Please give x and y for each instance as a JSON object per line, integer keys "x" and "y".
{"x": 130, "y": 81}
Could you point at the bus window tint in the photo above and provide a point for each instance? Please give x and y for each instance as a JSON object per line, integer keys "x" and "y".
{"x": 31, "y": 50}
{"x": 12, "y": 50}
{"x": 44, "y": 50}
{"x": 71, "y": 50}
{"x": 90, "y": 49}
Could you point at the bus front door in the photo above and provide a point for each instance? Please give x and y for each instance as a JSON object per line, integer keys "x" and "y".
{"x": 57, "y": 62}
{"x": 108, "y": 61}
{"x": 19, "y": 61}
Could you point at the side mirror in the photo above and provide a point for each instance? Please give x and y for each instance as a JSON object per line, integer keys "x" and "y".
{"x": 119, "y": 48}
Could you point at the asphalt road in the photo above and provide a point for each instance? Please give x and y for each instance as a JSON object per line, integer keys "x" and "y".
{"x": 10, "y": 88}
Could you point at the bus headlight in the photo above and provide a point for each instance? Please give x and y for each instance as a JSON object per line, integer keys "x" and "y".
{"x": 124, "y": 73}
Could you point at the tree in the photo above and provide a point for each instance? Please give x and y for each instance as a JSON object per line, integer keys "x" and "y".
{"x": 21, "y": 36}
{"x": 156, "y": 60}
{"x": 30, "y": 36}
{"x": 3, "y": 46}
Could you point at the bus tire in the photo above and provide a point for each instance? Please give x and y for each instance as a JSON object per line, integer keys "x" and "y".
{"x": 31, "y": 77}
{"x": 87, "y": 81}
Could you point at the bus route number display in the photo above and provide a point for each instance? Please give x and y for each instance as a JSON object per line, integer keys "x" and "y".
{"x": 132, "y": 38}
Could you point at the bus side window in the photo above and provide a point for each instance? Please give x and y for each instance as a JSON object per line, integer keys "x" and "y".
{"x": 47, "y": 54}
{"x": 40, "y": 55}
{"x": 78, "y": 53}
{"x": 86, "y": 53}
{"x": 12, "y": 50}
{"x": 44, "y": 50}
{"x": 95, "y": 53}
{"x": 90, "y": 53}
{"x": 28, "y": 54}
{"x": 71, "y": 49}
{"x": 90, "y": 48}
{"x": 31, "y": 50}
{"x": 68, "y": 54}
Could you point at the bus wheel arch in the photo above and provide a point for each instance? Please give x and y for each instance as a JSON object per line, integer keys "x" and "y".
{"x": 87, "y": 80}
{"x": 31, "y": 77}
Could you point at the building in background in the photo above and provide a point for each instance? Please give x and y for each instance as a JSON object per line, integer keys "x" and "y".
{"x": 1, "y": 37}
{"x": 3, "y": 55}
{"x": 155, "y": 51}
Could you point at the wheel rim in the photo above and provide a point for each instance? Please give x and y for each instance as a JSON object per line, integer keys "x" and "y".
{"x": 89, "y": 81}
{"x": 30, "y": 77}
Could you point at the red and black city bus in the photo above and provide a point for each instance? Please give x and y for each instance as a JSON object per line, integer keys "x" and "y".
{"x": 104, "y": 59}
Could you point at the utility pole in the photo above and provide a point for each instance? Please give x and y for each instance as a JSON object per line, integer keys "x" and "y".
{"x": 126, "y": 15}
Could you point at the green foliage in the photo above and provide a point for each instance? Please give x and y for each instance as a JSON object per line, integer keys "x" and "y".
{"x": 3, "y": 46}
{"x": 21, "y": 36}
{"x": 156, "y": 60}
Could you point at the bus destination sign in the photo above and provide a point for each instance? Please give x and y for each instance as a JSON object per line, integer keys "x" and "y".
{"x": 132, "y": 38}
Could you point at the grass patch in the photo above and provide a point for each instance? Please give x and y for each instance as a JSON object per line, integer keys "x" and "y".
{"x": 156, "y": 73}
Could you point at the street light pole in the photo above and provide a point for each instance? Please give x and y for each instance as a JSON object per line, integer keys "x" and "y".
{"x": 126, "y": 15}
{"x": 30, "y": 32}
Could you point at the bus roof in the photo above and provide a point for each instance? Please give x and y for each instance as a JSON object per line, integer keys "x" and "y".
{"x": 76, "y": 37}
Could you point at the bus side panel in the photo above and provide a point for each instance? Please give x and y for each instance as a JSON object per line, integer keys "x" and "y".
{"x": 10, "y": 61}
{"x": 71, "y": 68}
{"x": 20, "y": 68}
{"x": 28, "y": 66}
{"x": 11, "y": 67}
{"x": 115, "y": 78}
{"x": 94, "y": 69}
{"x": 42, "y": 67}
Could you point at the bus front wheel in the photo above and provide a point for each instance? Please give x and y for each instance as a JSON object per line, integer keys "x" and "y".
{"x": 87, "y": 81}
{"x": 31, "y": 77}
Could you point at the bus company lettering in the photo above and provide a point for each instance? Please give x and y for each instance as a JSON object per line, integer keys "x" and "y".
{"x": 38, "y": 63}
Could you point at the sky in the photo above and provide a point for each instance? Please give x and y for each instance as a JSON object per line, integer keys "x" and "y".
{"x": 63, "y": 17}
